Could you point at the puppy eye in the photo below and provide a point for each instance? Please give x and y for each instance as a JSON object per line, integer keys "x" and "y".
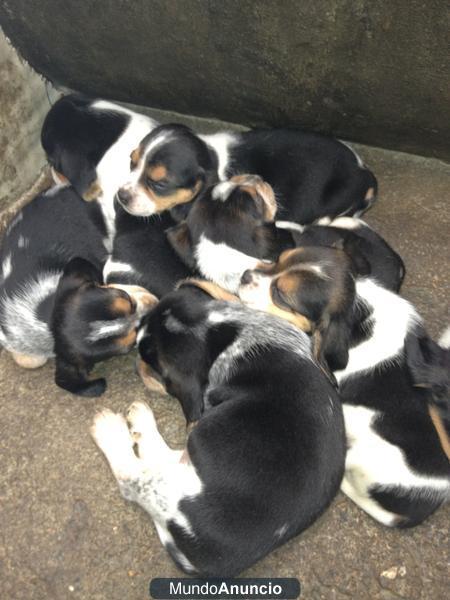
{"x": 278, "y": 297}
{"x": 158, "y": 186}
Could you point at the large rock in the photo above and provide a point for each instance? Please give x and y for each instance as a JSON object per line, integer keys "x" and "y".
{"x": 366, "y": 71}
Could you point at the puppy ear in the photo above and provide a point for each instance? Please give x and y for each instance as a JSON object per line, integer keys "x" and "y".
{"x": 429, "y": 366}
{"x": 331, "y": 341}
{"x": 352, "y": 245}
{"x": 259, "y": 190}
{"x": 179, "y": 238}
{"x": 74, "y": 379}
{"x": 83, "y": 271}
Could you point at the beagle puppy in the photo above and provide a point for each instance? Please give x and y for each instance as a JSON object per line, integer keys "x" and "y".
{"x": 265, "y": 453}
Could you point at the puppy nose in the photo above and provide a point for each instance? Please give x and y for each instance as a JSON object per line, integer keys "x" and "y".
{"x": 247, "y": 277}
{"x": 124, "y": 196}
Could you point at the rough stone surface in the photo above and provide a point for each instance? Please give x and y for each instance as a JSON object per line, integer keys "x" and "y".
{"x": 23, "y": 104}
{"x": 367, "y": 71}
{"x": 67, "y": 534}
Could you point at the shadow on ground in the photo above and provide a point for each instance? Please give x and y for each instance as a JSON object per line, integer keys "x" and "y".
{"x": 67, "y": 533}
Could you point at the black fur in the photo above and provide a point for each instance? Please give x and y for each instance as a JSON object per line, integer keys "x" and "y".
{"x": 75, "y": 136}
{"x": 142, "y": 243}
{"x": 269, "y": 445}
{"x": 372, "y": 255}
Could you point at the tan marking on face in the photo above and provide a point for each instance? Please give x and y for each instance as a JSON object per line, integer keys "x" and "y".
{"x": 296, "y": 319}
{"x": 93, "y": 192}
{"x": 180, "y": 196}
{"x": 127, "y": 340}
{"x": 150, "y": 378}
{"x": 135, "y": 157}
{"x": 121, "y": 306}
{"x": 288, "y": 283}
{"x": 214, "y": 290}
{"x": 157, "y": 172}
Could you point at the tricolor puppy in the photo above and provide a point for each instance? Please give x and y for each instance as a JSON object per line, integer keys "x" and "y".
{"x": 142, "y": 255}
{"x": 88, "y": 143}
{"x": 266, "y": 456}
{"x": 358, "y": 240}
{"x": 52, "y": 303}
{"x": 230, "y": 229}
{"x": 312, "y": 175}
{"x": 393, "y": 380}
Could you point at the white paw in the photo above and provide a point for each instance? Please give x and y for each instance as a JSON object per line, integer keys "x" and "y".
{"x": 141, "y": 420}
{"x": 110, "y": 431}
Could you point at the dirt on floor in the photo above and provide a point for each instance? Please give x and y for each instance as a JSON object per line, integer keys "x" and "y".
{"x": 65, "y": 531}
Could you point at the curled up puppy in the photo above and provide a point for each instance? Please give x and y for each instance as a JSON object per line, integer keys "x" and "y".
{"x": 52, "y": 299}
{"x": 265, "y": 457}
{"x": 394, "y": 380}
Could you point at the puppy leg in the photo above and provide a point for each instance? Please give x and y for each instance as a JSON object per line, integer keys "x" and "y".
{"x": 157, "y": 480}
{"x": 28, "y": 361}
{"x": 111, "y": 434}
{"x": 151, "y": 447}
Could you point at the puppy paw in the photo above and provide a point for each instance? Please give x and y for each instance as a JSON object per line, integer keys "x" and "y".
{"x": 140, "y": 419}
{"x": 110, "y": 431}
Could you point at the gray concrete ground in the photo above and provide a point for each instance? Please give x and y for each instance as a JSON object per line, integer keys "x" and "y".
{"x": 67, "y": 533}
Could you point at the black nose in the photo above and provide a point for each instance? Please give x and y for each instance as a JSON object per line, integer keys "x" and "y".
{"x": 247, "y": 277}
{"x": 123, "y": 196}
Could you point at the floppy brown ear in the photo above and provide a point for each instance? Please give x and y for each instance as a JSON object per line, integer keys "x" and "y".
{"x": 331, "y": 341}
{"x": 257, "y": 187}
{"x": 179, "y": 237}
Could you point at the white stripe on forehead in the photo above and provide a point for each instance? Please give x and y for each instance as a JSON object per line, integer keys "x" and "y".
{"x": 223, "y": 190}
{"x": 159, "y": 140}
{"x": 105, "y": 329}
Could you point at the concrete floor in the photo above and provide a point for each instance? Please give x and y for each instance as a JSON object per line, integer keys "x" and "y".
{"x": 67, "y": 533}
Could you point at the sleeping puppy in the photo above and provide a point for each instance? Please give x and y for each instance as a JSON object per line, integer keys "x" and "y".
{"x": 313, "y": 176}
{"x": 88, "y": 144}
{"x": 266, "y": 456}
{"x": 142, "y": 255}
{"x": 361, "y": 242}
{"x": 53, "y": 303}
{"x": 230, "y": 229}
{"x": 393, "y": 380}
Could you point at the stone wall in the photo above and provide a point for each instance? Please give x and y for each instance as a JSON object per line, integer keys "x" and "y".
{"x": 365, "y": 70}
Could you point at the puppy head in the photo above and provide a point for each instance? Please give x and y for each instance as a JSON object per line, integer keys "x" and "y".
{"x": 314, "y": 289}
{"x": 92, "y": 322}
{"x": 370, "y": 253}
{"x": 180, "y": 344}
{"x": 229, "y": 228}
{"x": 170, "y": 166}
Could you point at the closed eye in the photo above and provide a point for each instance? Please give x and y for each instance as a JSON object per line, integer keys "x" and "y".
{"x": 158, "y": 186}
{"x": 278, "y": 297}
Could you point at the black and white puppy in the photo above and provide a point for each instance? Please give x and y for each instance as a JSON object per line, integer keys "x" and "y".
{"x": 52, "y": 298}
{"x": 312, "y": 175}
{"x": 88, "y": 143}
{"x": 394, "y": 381}
{"x": 266, "y": 456}
{"x": 142, "y": 255}
{"x": 230, "y": 229}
